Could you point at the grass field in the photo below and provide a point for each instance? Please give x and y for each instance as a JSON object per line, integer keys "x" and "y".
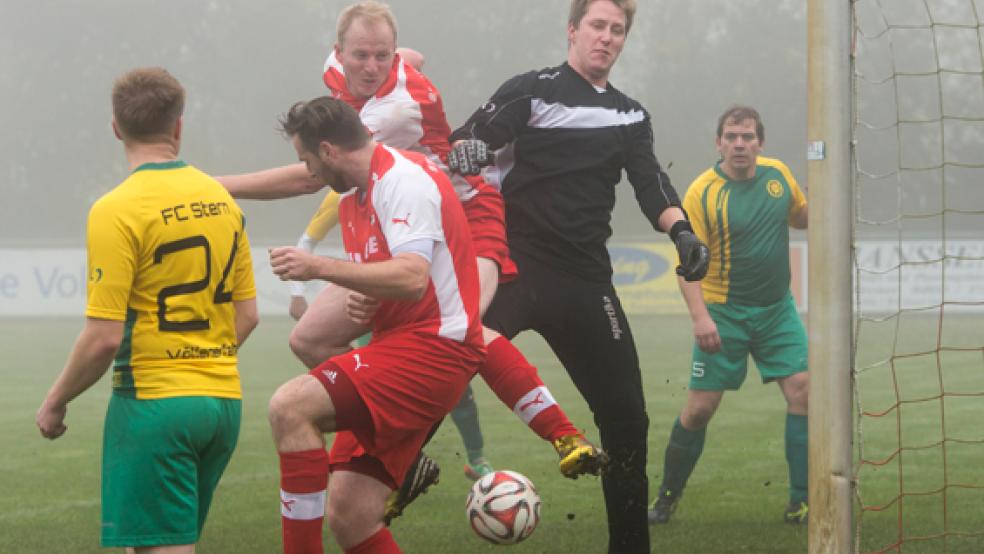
{"x": 50, "y": 500}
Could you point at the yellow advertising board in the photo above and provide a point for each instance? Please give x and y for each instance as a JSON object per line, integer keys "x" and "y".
{"x": 644, "y": 276}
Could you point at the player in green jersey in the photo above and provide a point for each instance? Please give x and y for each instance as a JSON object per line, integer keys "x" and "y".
{"x": 171, "y": 296}
{"x": 742, "y": 209}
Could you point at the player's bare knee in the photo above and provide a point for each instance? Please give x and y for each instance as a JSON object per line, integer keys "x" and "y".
{"x": 281, "y": 410}
{"x": 697, "y": 416}
{"x": 348, "y": 526}
{"x": 796, "y": 389}
{"x": 300, "y": 344}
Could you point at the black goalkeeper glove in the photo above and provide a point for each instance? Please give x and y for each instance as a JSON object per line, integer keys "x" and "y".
{"x": 694, "y": 255}
{"x": 468, "y": 157}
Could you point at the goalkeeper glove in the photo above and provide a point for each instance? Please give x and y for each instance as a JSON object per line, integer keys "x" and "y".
{"x": 694, "y": 255}
{"x": 468, "y": 157}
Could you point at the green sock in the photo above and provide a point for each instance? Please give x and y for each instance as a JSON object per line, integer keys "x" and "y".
{"x": 363, "y": 340}
{"x": 682, "y": 453}
{"x": 797, "y": 456}
{"x": 465, "y": 418}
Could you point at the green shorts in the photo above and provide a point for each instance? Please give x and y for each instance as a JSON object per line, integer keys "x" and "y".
{"x": 773, "y": 335}
{"x": 162, "y": 460}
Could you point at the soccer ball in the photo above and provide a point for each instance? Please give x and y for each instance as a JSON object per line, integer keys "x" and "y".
{"x": 503, "y": 507}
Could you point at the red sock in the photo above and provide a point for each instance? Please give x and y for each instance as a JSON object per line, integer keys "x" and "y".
{"x": 303, "y": 480}
{"x": 517, "y": 385}
{"x": 381, "y": 542}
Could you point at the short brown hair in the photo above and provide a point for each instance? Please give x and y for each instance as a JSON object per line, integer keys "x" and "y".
{"x": 740, "y": 113}
{"x": 369, "y": 9}
{"x": 325, "y": 119}
{"x": 147, "y": 103}
{"x": 580, "y": 7}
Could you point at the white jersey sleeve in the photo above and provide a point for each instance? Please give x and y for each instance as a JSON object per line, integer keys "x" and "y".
{"x": 408, "y": 205}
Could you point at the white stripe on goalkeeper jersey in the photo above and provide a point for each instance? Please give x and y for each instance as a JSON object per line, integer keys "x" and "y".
{"x": 302, "y": 506}
{"x": 546, "y": 115}
{"x": 532, "y": 403}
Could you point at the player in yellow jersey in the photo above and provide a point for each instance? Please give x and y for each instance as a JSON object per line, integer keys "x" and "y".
{"x": 742, "y": 208}
{"x": 171, "y": 296}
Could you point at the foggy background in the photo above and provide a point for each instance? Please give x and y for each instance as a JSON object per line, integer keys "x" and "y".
{"x": 244, "y": 63}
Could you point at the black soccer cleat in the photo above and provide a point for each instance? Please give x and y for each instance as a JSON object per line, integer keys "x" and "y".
{"x": 663, "y": 508}
{"x": 422, "y": 474}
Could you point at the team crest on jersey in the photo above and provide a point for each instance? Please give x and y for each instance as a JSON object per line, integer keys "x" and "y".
{"x": 775, "y": 188}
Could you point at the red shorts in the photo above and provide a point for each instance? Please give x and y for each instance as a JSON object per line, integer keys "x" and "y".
{"x": 408, "y": 382}
{"x": 486, "y": 216}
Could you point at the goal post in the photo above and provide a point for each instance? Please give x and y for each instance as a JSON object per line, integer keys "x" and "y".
{"x": 896, "y": 300}
{"x": 829, "y": 37}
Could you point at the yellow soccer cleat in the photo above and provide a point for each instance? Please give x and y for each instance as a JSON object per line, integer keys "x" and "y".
{"x": 579, "y": 457}
{"x": 422, "y": 474}
{"x": 796, "y": 513}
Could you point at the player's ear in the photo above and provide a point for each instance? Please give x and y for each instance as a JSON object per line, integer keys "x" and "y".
{"x": 325, "y": 150}
{"x": 116, "y": 130}
{"x": 338, "y": 49}
{"x": 177, "y": 129}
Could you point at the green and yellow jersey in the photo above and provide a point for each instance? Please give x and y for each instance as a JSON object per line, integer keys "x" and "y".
{"x": 324, "y": 219}
{"x": 168, "y": 254}
{"x": 746, "y": 226}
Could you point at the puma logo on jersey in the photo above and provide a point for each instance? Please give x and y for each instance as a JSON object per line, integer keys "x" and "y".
{"x": 553, "y": 75}
{"x": 404, "y": 220}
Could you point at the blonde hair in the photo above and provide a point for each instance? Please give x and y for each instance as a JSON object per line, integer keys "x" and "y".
{"x": 369, "y": 9}
{"x": 147, "y": 103}
{"x": 580, "y": 7}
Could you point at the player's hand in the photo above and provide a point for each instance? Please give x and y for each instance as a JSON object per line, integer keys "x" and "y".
{"x": 51, "y": 420}
{"x": 694, "y": 256}
{"x": 361, "y": 308}
{"x": 294, "y": 264}
{"x": 468, "y": 157}
{"x": 706, "y": 335}
{"x": 298, "y": 305}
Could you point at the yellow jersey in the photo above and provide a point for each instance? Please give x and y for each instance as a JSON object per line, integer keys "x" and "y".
{"x": 168, "y": 254}
{"x": 745, "y": 224}
{"x": 325, "y": 218}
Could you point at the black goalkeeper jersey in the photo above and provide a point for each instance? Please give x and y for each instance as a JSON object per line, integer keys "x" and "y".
{"x": 561, "y": 147}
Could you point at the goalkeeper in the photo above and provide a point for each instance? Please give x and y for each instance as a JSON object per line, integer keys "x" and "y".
{"x": 563, "y": 137}
{"x": 742, "y": 208}
{"x": 465, "y": 414}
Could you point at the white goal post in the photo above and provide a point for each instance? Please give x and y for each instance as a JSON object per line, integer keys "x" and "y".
{"x": 829, "y": 173}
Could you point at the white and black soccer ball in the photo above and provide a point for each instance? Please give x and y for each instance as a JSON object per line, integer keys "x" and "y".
{"x": 503, "y": 507}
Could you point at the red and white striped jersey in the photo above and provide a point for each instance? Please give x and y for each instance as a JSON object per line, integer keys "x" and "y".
{"x": 405, "y": 113}
{"x": 410, "y": 198}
